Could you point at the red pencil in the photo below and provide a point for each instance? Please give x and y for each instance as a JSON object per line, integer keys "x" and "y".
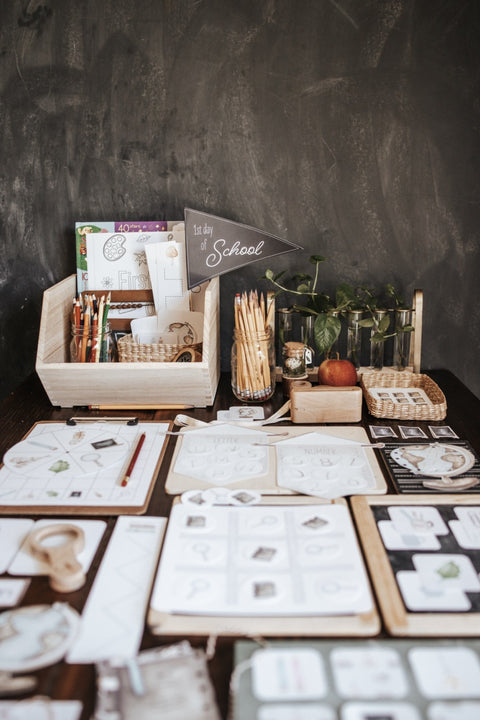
{"x": 133, "y": 460}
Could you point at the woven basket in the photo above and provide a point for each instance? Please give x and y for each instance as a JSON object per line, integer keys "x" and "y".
{"x": 131, "y": 351}
{"x": 389, "y": 409}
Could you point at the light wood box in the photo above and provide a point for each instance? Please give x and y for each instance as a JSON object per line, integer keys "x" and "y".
{"x": 326, "y": 404}
{"x": 70, "y": 384}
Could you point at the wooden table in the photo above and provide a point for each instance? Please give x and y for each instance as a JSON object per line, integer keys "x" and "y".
{"x": 29, "y": 404}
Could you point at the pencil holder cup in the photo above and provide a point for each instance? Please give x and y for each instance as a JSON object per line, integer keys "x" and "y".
{"x": 253, "y": 366}
{"x": 91, "y": 346}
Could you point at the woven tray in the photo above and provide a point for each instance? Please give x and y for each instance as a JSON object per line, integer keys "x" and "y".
{"x": 131, "y": 351}
{"x": 389, "y": 409}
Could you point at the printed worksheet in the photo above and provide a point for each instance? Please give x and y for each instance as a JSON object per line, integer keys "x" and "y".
{"x": 81, "y": 467}
{"x": 261, "y": 560}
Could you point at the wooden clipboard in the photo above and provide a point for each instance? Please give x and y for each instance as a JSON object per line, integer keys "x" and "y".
{"x": 177, "y": 483}
{"x": 398, "y": 619}
{"x": 24, "y": 493}
{"x": 362, "y": 625}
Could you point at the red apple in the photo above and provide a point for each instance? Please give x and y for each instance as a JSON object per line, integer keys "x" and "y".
{"x": 340, "y": 373}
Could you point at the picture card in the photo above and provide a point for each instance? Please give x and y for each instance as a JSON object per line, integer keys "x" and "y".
{"x": 412, "y": 432}
{"x": 401, "y": 395}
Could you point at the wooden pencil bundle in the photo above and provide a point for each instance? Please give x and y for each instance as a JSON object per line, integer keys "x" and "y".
{"x": 253, "y": 339}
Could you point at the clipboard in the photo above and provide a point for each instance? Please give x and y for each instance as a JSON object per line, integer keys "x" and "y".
{"x": 77, "y": 468}
{"x": 363, "y": 624}
{"x": 412, "y": 606}
{"x": 266, "y": 480}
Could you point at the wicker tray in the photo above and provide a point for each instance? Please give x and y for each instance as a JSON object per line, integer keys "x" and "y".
{"x": 389, "y": 409}
{"x": 131, "y": 351}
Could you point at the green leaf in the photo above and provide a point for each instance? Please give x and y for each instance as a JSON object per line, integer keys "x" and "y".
{"x": 384, "y": 324}
{"x": 315, "y": 259}
{"x": 325, "y": 331}
{"x": 301, "y": 277}
{"x": 345, "y": 295}
{"x": 304, "y": 309}
{"x": 269, "y": 275}
{"x": 303, "y": 289}
{"x": 377, "y": 337}
{"x": 367, "y": 322}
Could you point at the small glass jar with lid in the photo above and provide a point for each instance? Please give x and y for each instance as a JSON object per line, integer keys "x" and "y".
{"x": 294, "y": 357}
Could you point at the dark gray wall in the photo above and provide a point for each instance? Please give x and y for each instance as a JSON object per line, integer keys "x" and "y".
{"x": 350, "y": 127}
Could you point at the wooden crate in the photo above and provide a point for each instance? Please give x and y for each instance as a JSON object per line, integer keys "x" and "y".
{"x": 72, "y": 384}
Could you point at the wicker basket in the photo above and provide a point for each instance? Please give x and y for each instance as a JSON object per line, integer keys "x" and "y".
{"x": 389, "y": 409}
{"x": 131, "y": 351}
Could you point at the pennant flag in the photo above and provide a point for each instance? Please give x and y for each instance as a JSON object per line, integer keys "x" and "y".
{"x": 215, "y": 246}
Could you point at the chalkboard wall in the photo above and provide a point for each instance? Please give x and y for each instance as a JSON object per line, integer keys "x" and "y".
{"x": 349, "y": 127}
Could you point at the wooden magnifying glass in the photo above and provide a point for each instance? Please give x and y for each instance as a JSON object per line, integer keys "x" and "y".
{"x": 65, "y": 572}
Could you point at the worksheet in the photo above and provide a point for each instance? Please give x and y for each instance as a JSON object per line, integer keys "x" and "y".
{"x": 261, "y": 560}
{"x": 80, "y": 468}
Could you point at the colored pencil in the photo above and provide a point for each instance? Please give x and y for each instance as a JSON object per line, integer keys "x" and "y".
{"x": 133, "y": 460}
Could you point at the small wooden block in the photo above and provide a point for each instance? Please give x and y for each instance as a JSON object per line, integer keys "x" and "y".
{"x": 326, "y": 404}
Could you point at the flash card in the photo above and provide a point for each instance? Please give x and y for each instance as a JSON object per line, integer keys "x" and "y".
{"x": 411, "y": 431}
{"x": 382, "y": 431}
{"x": 442, "y": 431}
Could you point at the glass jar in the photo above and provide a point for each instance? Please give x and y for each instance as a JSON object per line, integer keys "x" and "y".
{"x": 284, "y": 330}
{"x": 377, "y": 347}
{"x": 253, "y": 365}
{"x": 294, "y": 356}
{"x": 91, "y": 345}
{"x": 354, "y": 337}
{"x": 307, "y": 323}
{"x": 401, "y": 346}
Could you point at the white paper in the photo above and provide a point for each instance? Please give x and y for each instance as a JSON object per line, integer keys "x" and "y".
{"x": 180, "y": 327}
{"x": 168, "y": 275}
{"x": 13, "y": 532}
{"x": 323, "y": 466}
{"x": 222, "y": 454}
{"x": 40, "y": 708}
{"x": 112, "y": 621}
{"x": 117, "y": 261}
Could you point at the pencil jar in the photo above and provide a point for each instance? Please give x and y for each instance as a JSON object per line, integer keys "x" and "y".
{"x": 253, "y": 365}
{"x": 89, "y": 345}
